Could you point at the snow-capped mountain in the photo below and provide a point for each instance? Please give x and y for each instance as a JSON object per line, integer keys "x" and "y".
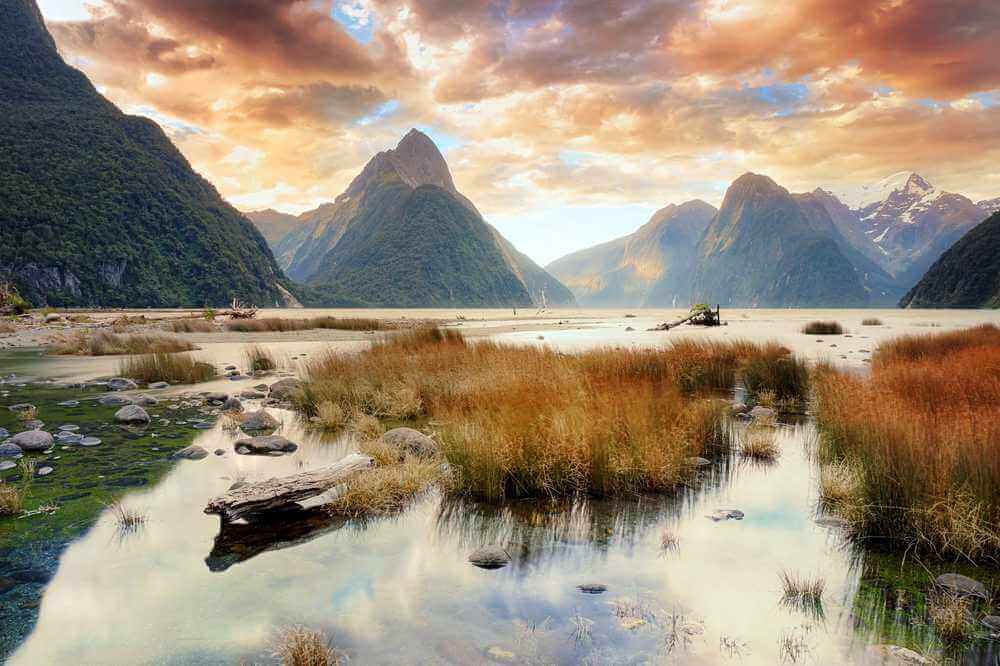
{"x": 905, "y": 222}
{"x": 989, "y": 206}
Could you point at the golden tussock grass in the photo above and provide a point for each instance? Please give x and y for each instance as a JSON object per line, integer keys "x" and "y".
{"x": 823, "y": 328}
{"x": 387, "y": 489}
{"x": 921, "y": 439}
{"x": 258, "y": 359}
{"x": 190, "y": 325}
{"x": 7, "y": 328}
{"x": 525, "y": 421}
{"x": 804, "y": 593}
{"x": 871, "y": 321}
{"x": 300, "y": 646}
{"x": 951, "y": 615}
{"x": 11, "y": 499}
{"x": 171, "y": 368}
{"x": 759, "y": 442}
{"x": 281, "y": 325}
{"x": 105, "y": 343}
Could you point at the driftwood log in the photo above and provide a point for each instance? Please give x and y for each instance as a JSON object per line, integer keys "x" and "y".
{"x": 698, "y": 316}
{"x": 277, "y": 493}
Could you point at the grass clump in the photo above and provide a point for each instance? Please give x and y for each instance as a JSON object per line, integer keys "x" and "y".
{"x": 951, "y": 615}
{"x": 258, "y": 359}
{"x": 11, "y": 499}
{"x": 282, "y": 324}
{"x": 759, "y": 443}
{"x": 871, "y": 321}
{"x": 385, "y": 490}
{"x": 529, "y": 421}
{"x": 803, "y": 592}
{"x": 772, "y": 374}
{"x": 171, "y": 368}
{"x": 106, "y": 343}
{"x": 823, "y": 328}
{"x": 127, "y": 519}
{"x": 190, "y": 325}
{"x": 299, "y": 646}
{"x": 919, "y": 441}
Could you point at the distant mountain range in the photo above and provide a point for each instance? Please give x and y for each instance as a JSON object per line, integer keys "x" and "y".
{"x": 767, "y": 247}
{"x": 402, "y": 235}
{"x": 966, "y": 276}
{"x": 99, "y": 208}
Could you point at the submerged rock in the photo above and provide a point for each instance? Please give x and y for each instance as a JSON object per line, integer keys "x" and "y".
{"x": 959, "y": 584}
{"x": 893, "y": 655}
{"x": 158, "y": 385}
{"x": 726, "y": 514}
{"x": 69, "y": 427}
{"x": 257, "y": 421}
{"x": 592, "y": 588}
{"x": 6, "y": 465}
{"x": 31, "y": 440}
{"x": 193, "y": 452}
{"x": 22, "y": 407}
{"x": 489, "y": 557}
{"x": 34, "y": 424}
{"x": 90, "y": 441}
{"x": 265, "y": 445}
{"x": 8, "y": 450}
{"x": 131, "y": 414}
{"x": 69, "y": 403}
{"x": 284, "y": 389}
{"x": 122, "y": 384}
{"x": 146, "y": 401}
{"x": 232, "y": 404}
{"x": 759, "y": 413}
{"x": 115, "y": 400}
{"x": 411, "y": 441}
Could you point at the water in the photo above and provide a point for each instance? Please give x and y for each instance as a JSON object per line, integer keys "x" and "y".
{"x": 399, "y": 590}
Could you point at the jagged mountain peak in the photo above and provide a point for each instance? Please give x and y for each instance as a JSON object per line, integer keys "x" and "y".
{"x": 416, "y": 160}
{"x": 750, "y": 184}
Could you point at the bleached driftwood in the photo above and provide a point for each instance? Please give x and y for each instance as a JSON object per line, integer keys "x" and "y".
{"x": 700, "y": 315}
{"x": 284, "y": 491}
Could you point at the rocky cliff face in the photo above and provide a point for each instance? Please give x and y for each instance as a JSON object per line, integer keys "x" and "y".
{"x": 363, "y": 247}
{"x": 99, "y": 208}
{"x": 967, "y": 275}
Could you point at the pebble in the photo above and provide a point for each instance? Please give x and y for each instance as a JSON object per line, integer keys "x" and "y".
{"x": 90, "y": 441}
{"x": 69, "y": 403}
{"x": 44, "y": 471}
{"x": 69, "y": 427}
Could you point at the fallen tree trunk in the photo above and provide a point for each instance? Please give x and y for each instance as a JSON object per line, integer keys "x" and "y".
{"x": 277, "y": 493}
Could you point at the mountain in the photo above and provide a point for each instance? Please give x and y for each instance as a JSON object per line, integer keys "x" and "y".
{"x": 402, "y": 235}
{"x": 765, "y": 248}
{"x": 98, "y": 207}
{"x": 966, "y": 276}
{"x": 648, "y": 268}
{"x": 908, "y": 221}
{"x": 273, "y": 225}
{"x": 989, "y": 206}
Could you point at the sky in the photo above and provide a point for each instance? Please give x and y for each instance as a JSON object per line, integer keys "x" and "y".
{"x": 566, "y": 122}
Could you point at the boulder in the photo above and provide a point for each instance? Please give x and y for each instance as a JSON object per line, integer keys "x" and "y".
{"x": 145, "y": 401}
{"x": 285, "y": 389}
{"x": 193, "y": 452}
{"x": 257, "y": 421}
{"x": 32, "y": 440}
{"x": 489, "y": 557}
{"x": 216, "y": 396}
{"x": 252, "y": 395}
{"x": 52, "y": 317}
{"x": 992, "y": 622}
{"x": 232, "y": 404}
{"x": 158, "y": 385}
{"x": 131, "y": 414}
{"x": 963, "y": 585}
{"x": 8, "y": 450}
{"x": 122, "y": 384}
{"x": 115, "y": 400}
{"x": 411, "y": 441}
{"x": 264, "y": 445}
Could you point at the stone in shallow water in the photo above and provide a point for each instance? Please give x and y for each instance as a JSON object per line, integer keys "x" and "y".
{"x": 284, "y": 389}
{"x": 66, "y": 437}
{"x": 69, "y": 403}
{"x": 158, "y": 385}
{"x": 259, "y": 420}
{"x": 727, "y": 514}
{"x": 146, "y": 401}
{"x": 34, "y": 424}
{"x": 8, "y": 450}
{"x": 411, "y": 441}
{"x": 959, "y": 584}
{"x": 122, "y": 384}
{"x": 115, "y": 400}
{"x": 232, "y": 404}
{"x": 592, "y": 588}
{"x": 32, "y": 440}
{"x": 22, "y": 407}
{"x": 132, "y": 414}
{"x": 7, "y": 464}
{"x": 90, "y": 441}
{"x": 265, "y": 445}
{"x": 69, "y": 427}
{"x": 489, "y": 557}
{"x": 193, "y": 452}
{"x": 44, "y": 471}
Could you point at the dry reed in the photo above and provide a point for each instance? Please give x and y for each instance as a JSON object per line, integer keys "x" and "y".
{"x": 299, "y": 646}
{"x": 281, "y": 325}
{"x": 105, "y": 343}
{"x": 190, "y": 325}
{"x": 823, "y": 328}
{"x": 171, "y": 368}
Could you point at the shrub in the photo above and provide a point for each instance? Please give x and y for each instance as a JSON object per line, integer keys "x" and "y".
{"x": 104, "y": 343}
{"x": 921, "y": 439}
{"x": 823, "y": 328}
{"x": 172, "y": 368}
{"x": 11, "y": 302}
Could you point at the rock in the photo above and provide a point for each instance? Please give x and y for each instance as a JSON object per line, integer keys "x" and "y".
{"x": 232, "y": 405}
{"x": 411, "y": 441}
{"x": 52, "y": 317}
{"x": 131, "y": 414}
{"x": 252, "y": 395}
{"x": 4, "y": 433}
{"x": 67, "y": 437}
{"x": 122, "y": 384}
{"x": 217, "y": 396}
{"x": 8, "y": 450}
{"x": 220, "y": 452}
{"x": 261, "y": 387}
{"x": 6, "y": 465}
{"x": 22, "y": 407}
{"x": 31, "y": 440}
{"x": 44, "y": 471}
{"x": 284, "y": 389}
{"x": 34, "y": 424}
{"x": 265, "y": 445}
{"x": 992, "y": 622}
{"x": 727, "y": 514}
{"x": 959, "y": 584}
{"x": 229, "y": 367}
{"x": 145, "y": 401}
{"x": 490, "y": 557}
{"x": 69, "y": 427}
{"x": 115, "y": 400}
{"x": 193, "y": 452}
{"x": 158, "y": 385}
{"x": 592, "y": 588}
{"x": 759, "y": 413}
{"x": 893, "y": 655}
{"x": 257, "y": 421}
{"x": 238, "y": 378}
{"x": 69, "y": 403}
{"x": 90, "y": 441}
{"x": 738, "y": 408}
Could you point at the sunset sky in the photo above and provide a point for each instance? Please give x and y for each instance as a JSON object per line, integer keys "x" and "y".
{"x": 567, "y": 123}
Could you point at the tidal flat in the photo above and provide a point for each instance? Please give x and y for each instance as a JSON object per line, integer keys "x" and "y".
{"x": 689, "y": 576}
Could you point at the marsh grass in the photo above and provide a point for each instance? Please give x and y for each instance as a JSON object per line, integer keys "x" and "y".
{"x": 300, "y": 646}
{"x": 871, "y": 321}
{"x": 282, "y": 325}
{"x": 171, "y": 368}
{"x": 258, "y": 359}
{"x": 190, "y": 325}
{"x": 386, "y": 490}
{"x": 11, "y": 499}
{"x": 759, "y": 443}
{"x": 951, "y": 615}
{"x": 921, "y": 439}
{"x": 774, "y": 374}
{"x": 530, "y": 422}
{"x": 823, "y": 328}
{"x": 803, "y": 593}
{"x": 106, "y": 343}
{"x": 127, "y": 520}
